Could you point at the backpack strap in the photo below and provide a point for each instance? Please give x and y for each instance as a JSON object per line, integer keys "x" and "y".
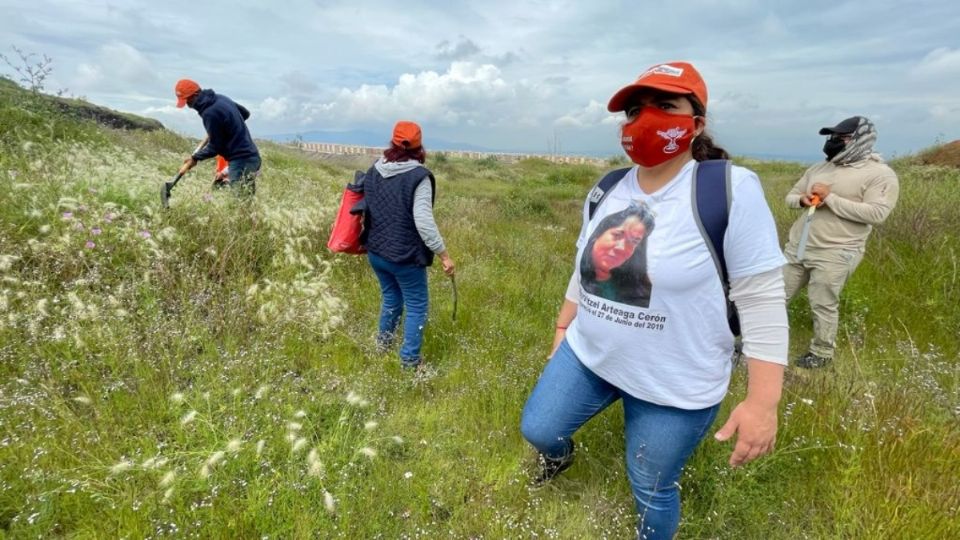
{"x": 712, "y": 197}
{"x": 602, "y": 188}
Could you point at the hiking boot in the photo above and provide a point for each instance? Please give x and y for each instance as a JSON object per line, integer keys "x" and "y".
{"x": 551, "y": 467}
{"x": 812, "y": 361}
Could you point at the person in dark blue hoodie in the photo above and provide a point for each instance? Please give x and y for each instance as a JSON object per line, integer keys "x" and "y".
{"x": 227, "y": 134}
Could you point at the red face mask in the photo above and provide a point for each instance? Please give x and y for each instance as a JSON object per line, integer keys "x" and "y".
{"x": 656, "y": 136}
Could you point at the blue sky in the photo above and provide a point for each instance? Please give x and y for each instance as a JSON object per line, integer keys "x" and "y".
{"x": 513, "y": 75}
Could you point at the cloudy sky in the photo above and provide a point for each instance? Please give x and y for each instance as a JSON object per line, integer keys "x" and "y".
{"x": 512, "y": 75}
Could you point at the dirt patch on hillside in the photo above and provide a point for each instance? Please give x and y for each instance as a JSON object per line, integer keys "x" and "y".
{"x": 946, "y": 155}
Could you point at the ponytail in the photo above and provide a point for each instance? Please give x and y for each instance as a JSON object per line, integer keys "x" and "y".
{"x": 402, "y": 153}
{"x": 703, "y": 147}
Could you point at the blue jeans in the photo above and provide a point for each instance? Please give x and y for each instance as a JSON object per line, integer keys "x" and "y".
{"x": 243, "y": 175}
{"x": 403, "y": 286}
{"x": 659, "y": 439}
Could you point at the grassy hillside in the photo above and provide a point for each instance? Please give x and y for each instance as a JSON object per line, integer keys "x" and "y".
{"x": 210, "y": 370}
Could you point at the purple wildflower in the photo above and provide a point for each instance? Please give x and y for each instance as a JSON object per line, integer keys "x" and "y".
{"x": 96, "y": 231}
{"x": 90, "y": 244}
{"x": 68, "y": 215}
{"x": 145, "y": 234}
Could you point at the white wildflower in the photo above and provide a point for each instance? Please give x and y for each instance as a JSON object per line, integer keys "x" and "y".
{"x": 167, "y": 495}
{"x": 205, "y": 471}
{"x": 260, "y": 444}
{"x": 408, "y": 475}
{"x": 253, "y": 290}
{"x": 187, "y": 418}
{"x": 371, "y": 425}
{"x": 234, "y": 445}
{"x": 397, "y": 439}
{"x": 83, "y": 400}
{"x": 369, "y": 452}
{"x": 329, "y": 503}
{"x": 300, "y": 414}
{"x": 313, "y": 456}
{"x": 316, "y": 469}
{"x": 176, "y": 397}
{"x": 291, "y": 437}
{"x": 806, "y": 401}
{"x": 262, "y": 391}
{"x": 353, "y": 398}
{"x": 294, "y": 426}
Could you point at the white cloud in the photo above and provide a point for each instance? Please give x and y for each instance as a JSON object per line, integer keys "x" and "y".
{"x": 592, "y": 115}
{"x": 942, "y": 61}
{"x": 273, "y": 109}
{"x": 466, "y": 92}
{"x": 116, "y": 65}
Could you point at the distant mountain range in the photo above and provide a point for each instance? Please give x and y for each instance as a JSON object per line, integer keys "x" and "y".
{"x": 367, "y": 138}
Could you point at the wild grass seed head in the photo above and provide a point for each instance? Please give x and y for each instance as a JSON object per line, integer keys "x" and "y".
{"x": 187, "y": 418}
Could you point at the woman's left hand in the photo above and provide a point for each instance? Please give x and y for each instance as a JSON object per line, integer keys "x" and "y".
{"x": 756, "y": 427}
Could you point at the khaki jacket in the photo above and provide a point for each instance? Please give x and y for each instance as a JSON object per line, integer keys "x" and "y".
{"x": 862, "y": 194}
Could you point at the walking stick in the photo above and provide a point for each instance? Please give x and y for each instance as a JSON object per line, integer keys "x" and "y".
{"x": 453, "y": 282}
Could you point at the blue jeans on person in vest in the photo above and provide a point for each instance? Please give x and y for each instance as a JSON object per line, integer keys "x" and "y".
{"x": 659, "y": 439}
{"x": 404, "y": 286}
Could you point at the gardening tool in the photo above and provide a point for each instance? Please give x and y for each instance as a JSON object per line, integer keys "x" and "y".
{"x": 167, "y": 187}
{"x": 453, "y": 282}
{"x": 805, "y": 233}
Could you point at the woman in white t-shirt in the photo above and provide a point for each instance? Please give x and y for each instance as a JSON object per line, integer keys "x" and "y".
{"x": 662, "y": 345}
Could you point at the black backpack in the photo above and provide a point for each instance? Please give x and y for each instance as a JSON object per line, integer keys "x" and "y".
{"x": 712, "y": 196}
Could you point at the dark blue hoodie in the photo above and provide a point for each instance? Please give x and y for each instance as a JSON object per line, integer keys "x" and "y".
{"x": 224, "y": 121}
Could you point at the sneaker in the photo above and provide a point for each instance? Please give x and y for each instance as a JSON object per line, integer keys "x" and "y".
{"x": 551, "y": 467}
{"x": 812, "y": 361}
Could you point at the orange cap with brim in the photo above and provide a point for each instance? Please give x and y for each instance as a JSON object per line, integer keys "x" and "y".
{"x": 674, "y": 77}
{"x": 407, "y": 134}
{"x": 185, "y": 89}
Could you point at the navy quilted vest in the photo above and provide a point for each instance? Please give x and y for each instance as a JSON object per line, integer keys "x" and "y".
{"x": 390, "y": 231}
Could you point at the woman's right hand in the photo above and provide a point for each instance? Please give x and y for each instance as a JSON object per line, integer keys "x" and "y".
{"x": 557, "y": 340}
{"x": 447, "y": 262}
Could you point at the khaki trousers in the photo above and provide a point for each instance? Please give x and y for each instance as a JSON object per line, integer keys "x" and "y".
{"x": 824, "y": 272}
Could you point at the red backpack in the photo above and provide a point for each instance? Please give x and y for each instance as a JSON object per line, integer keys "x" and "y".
{"x": 345, "y": 235}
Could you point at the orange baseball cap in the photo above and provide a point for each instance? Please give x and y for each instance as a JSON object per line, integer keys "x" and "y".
{"x": 407, "y": 134}
{"x": 674, "y": 77}
{"x": 185, "y": 89}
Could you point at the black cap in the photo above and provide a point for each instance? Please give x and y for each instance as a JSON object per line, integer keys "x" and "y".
{"x": 847, "y": 126}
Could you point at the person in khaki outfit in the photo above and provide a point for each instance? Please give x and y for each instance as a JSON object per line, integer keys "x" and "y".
{"x": 852, "y": 190}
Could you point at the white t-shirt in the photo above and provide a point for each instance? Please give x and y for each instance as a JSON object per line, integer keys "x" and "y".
{"x": 673, "y": 348}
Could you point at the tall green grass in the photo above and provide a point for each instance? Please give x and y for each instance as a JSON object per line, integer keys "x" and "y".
{"x": 210, "y": 370}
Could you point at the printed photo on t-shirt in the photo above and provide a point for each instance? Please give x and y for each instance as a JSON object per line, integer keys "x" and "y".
{"x": 614, "y": 262}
